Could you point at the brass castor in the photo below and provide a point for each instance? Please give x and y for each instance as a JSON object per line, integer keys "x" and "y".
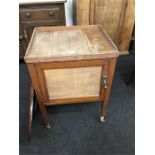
{"x": 102, "y": 119}
{"x": 48, "y": 126}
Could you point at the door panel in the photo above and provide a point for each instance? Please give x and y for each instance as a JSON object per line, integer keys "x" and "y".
{"x": 73, "y": 82}
{"x": 83, "y": 81}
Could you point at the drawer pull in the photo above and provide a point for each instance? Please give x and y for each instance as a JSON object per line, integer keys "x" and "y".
{"x": 51, "y": 13}
{"x": 28, "y": 14}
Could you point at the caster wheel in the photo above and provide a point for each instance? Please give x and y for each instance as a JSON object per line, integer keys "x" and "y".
{"x": 48, "y": 126}
{"x": 102, "y": 119}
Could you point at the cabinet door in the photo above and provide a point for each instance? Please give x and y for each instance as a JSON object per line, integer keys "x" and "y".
{"x": 69, "y": 82}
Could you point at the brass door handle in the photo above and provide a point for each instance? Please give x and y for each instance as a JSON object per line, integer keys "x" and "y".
{"x": 104, "y": 81}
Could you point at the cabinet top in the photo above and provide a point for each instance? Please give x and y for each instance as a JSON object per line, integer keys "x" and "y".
{"x": 63, "y": 43}
{"x": 40, "y": 1}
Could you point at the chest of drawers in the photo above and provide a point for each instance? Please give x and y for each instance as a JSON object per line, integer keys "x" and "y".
{"x": 33, "y": 15}
{"x": 71, "y": 65}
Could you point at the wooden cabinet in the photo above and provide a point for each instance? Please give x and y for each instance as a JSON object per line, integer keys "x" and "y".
{"x": 115, "y": 16}
{"x": 36, "y": 15}
{"x": 77, "y": 67}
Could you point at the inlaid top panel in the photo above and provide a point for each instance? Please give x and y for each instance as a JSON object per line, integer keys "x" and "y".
{"x": 69, "y": 43}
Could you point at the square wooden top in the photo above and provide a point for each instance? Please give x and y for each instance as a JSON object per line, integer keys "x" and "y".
{"x": 63, "y": 43}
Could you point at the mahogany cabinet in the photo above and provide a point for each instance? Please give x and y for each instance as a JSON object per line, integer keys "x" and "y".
{"x": 33, "y": 15}
{"x": 70, "y": 65}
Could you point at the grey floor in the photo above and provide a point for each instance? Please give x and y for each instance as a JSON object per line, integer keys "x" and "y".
{"x": 75, "y": 129}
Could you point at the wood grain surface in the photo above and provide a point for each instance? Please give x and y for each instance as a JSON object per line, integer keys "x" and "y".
{"x": 107, "y": 14}
{"x": 69, "y": 43}
{"x": 128, "y": 25}
{"x": 67, "y": 65}
{"x": 115, "y": 16}
{"x": 82, "y": 11}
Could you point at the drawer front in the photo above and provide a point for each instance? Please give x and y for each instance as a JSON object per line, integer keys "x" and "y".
{"x": 40, "y": 13}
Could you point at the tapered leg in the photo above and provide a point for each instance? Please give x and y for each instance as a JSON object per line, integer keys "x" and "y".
{"x": 103, "y": 111}
{"x": 30, "y": 114}
{"x": 35, "y": 105}
{"x": 106, "y": 90}
{"x": 43, "y": 113}
{"x": 38, "y": 94}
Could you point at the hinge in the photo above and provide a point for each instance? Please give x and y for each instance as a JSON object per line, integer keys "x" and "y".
{"x": 104, "y": 81}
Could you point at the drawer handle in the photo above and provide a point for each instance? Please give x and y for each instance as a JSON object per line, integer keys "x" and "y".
{"x": 51, "y": 13}
{"x": 28, "y": 14}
